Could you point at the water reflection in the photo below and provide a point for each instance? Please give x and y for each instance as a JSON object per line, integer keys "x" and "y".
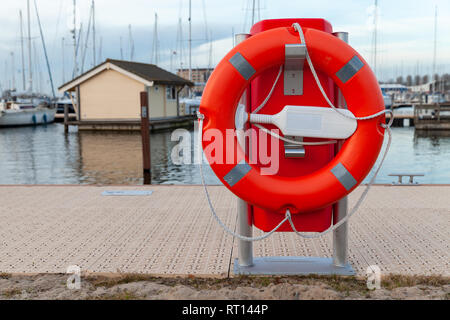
{"x": 116, "y": 158}
{"x": 435, "y": 136}
{"x": 45, "y": 155}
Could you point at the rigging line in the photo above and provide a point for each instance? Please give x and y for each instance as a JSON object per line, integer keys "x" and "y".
{"x": 206, "y": 21}
{"x": 83, "y": 51}
{"x": 75, "y": 70}
{"x": 45, "y": 51}
{"x": 58, "y": 21}
{"x": 246, "y": 12}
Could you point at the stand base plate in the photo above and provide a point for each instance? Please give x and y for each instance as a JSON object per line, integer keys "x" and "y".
{"x": 293, "y": 266}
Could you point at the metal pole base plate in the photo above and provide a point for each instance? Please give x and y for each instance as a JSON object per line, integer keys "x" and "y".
{"x": 293, "y": 266}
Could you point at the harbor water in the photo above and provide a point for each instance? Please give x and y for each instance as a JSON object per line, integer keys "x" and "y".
{"x": 45, "y": 155}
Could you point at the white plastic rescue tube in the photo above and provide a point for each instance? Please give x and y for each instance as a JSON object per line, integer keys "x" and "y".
{"x": 314, "y": 122}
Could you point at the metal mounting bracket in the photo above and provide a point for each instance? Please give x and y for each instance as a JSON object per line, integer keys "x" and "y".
{"x": 294, "y": 60}
{"x": 294, "y": 150}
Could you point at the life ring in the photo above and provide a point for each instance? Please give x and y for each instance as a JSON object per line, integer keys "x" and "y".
{"x": 358, "y": 154}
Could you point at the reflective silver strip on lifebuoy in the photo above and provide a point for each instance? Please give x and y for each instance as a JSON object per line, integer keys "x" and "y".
{"x": 344, "y": 176}
{"x": 242, "y": 66}
{"x": 350, "y": 69}
{"x": 237, "y": 173}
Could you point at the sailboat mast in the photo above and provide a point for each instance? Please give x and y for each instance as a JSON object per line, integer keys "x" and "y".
{"x": 93, "y": 33}
{"x": 79, "y": 45}
{"x": 63, "y": 61}
{"x": 45, "y": 52}
{"x": 29, "y": 49}
{"x": 155, "y": 48}
{"x": 100, "y": 49}
{"x": 13, "y": 68}
{"x": 84, "y": 51}
{"x": 37, "y": 70}
{"x": 131, "y": 43}
{"x": 21, "y": 49}
{"x": 156, "y": 40}
{"x": 232, "y": 36}
{"x": 435, "y": 49}
{"x": 8, "y": 81}
{"x": 253, "y": 13}
{"x": 74, "y": 31}
{"x": 121, "y": 49}
{"x": 210, "y": 52}
{"x": 374, "y": 43}
{"x": 181, "y": 43}
{"x": 190, "y": 40}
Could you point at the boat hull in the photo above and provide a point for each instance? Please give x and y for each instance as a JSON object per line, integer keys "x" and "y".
{"x": 33, "y": 117}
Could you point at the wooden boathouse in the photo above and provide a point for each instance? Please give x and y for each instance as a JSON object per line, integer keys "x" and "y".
{"x": 107, "y": 97}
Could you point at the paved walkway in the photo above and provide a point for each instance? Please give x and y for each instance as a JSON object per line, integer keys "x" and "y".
{"x": 45, "y": 229}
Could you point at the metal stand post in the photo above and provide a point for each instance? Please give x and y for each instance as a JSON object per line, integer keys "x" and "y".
{"x": 244, "y": 229}
{"x": 340, "y": 235}
{"x": 340, "y": 209}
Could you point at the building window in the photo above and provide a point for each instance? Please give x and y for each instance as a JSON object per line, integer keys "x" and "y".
{"x": 171, "y": 93}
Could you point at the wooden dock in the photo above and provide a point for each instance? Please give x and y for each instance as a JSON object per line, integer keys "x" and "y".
{"x": 399, "y": 120}
{"x": 134, "y": 125}
{"x": 45, "y": 229}
{"x": 59, "y": 117}
{"x": 432, "y": 117}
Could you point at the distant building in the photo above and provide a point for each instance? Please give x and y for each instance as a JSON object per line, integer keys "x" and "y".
{"x": 111, "y": 92}
{"x": 392, "y": 87}
{"x": 199, "y": 76}
{"x": 422, "y": 88}
{"x": 441, "y": 86}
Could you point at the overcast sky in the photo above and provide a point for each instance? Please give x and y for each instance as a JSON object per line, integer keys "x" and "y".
{"x": 405, "y": 35}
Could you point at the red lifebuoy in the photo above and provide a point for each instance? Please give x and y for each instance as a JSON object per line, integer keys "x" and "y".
{"x": 358, "y": 154}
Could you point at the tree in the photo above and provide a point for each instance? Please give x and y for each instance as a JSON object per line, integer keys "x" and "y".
{"x": 417, "y": 80}
{"x": 446, "y": 80}
{"x": 409, "y": 80}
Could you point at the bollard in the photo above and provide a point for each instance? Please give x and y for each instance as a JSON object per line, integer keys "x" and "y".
{"x": 145, "y": 133}
{"x": 66, "y": 118}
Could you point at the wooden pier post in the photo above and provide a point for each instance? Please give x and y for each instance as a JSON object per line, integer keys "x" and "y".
{"x": 145, "y": 133}
{"x": 66, "y": 118}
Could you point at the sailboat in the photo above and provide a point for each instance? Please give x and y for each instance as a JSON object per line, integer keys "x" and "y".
{"x": 15, "y": 113}
{"x": 21, "y": 109}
